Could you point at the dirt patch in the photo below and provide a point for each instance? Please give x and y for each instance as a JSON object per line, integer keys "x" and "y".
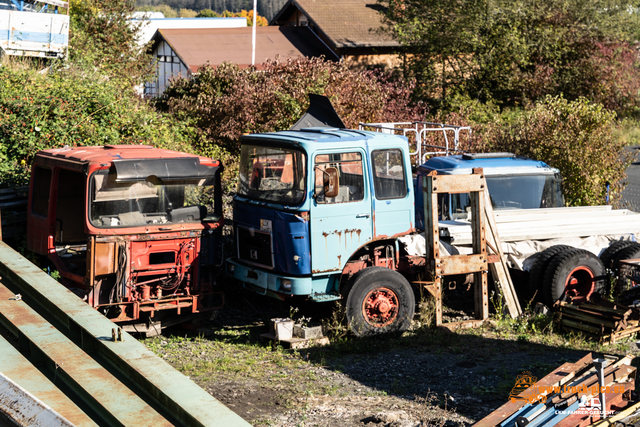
{"x": 426, "y": 377}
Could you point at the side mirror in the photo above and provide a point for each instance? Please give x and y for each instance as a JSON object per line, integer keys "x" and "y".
{"x": 330, "y": 182}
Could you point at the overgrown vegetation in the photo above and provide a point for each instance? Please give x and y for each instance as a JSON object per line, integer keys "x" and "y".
{"x": 75, "y": 107}
{"x": 516, "y": 52}
{"x": 225, "y": 102}
{"x": 208, "y": 13}
{"x": 577, "y": 137}
{"x": 266, "y": 8}
{"x": 102, "y": 40}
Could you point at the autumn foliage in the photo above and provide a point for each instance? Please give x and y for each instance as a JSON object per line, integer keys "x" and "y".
{"x": 574, "y": 136}
{"x": 226, "y": 101}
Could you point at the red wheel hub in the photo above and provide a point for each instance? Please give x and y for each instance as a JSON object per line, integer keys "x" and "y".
{"x": 380, "y": 307}
{"x": 580, "y": 284}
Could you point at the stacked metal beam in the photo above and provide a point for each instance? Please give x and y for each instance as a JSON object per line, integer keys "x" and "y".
{"x": 608, "y": 321}
{"x": 572, "y": 395}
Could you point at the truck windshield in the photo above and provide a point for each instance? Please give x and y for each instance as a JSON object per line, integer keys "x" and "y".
{"x": 272, "y": 174}
{"x": 127, "y": 204}
{"x": 514, "y": 192}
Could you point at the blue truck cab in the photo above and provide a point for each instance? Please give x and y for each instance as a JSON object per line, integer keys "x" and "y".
{"x": 514, "y": 183}
{"x": 291, "y": 239}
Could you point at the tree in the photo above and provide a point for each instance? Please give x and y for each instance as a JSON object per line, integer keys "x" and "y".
{"x": 102, "y": 38}
{"x": 576, "y": 137}
{"x": 72, "y": 107}
{"x": 518, "y": 51}
{"x": 208, "y": 13}
{"x": 226, "y": 101}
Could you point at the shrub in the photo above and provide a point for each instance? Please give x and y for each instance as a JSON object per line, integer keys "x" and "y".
{"x": 576, "y": 137}
{"x": 74, "y": 108}
{"x": 226, "y": 101}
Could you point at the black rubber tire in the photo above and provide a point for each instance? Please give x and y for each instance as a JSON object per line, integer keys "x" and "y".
{"x": 630, "y": 252}
{"x": 610, "y": 254}
{"x": 575, "y": 263}
{"x": 381, "y": 286}
{"x": 536, "y": 274}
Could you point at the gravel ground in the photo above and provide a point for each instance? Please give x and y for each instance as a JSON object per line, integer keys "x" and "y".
{"x": 425, "y": 378}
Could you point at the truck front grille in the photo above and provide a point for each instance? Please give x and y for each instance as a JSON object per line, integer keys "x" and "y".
{"x": 254, "y": 246}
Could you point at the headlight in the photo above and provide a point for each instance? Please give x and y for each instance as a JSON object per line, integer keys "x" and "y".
{"x": 285, "y": 285}
{"x": 231, "y": 268}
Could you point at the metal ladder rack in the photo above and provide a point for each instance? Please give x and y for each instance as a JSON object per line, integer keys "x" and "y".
{"x": 419, "y": 131}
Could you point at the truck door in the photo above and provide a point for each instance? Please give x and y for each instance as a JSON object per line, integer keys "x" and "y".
{"x": 38, "y": 224}
{"x": 393, "y": 204}
{"x": 340, "y": 224}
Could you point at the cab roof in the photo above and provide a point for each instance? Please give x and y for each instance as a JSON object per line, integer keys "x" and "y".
{"x": 308, "y": 138}
{"x": 109, "y": 153}
{"x": 492, "y": 163}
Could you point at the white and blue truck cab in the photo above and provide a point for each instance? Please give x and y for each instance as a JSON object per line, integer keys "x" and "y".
{"x": 295, "y": 238}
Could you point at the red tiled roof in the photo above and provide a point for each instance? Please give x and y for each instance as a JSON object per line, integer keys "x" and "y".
{"x": 348, "y": 23}
{"x": 196, "y": 47}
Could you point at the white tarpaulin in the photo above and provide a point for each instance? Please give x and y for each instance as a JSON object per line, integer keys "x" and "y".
{"x": 520, "y": 255}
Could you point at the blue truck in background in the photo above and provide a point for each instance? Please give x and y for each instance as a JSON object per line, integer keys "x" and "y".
{"x": 324, "y": 213}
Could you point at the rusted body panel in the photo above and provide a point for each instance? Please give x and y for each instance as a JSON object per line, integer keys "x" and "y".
{"x": 123, "y": 225}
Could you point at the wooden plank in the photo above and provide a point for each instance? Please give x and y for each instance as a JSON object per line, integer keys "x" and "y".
{"x": 583, "y": 317}
{"x": 480, "y": 291}
{"x": 499, "y": 269}
{"x": 577, "y": 325}
{"x": 453, "y": 184}
{"x": 461, "y": 264}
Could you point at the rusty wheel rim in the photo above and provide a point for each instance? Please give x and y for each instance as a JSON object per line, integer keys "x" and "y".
{"x": 380, "y": 307}
{"x": 579, "y": 284}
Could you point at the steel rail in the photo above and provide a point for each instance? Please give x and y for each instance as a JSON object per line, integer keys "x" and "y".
{"x": 66, "y": 345}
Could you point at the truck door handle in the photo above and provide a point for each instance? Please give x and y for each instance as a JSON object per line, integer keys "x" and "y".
{"x": 363, "y": 215}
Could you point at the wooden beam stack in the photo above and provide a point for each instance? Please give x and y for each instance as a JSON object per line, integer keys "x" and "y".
{"x": 608, "y": 321}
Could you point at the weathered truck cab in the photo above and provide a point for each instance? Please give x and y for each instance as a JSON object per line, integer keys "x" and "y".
{"x": 292, "y": 238}
{"x": 133, "y": 230}
{"x": 327, "y": 213}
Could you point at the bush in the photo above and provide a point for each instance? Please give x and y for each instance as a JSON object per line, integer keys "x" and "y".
{"x": 227, "y": 101}
{"x": 577, "y": 137}
{"x": 74, "y": 108}
{"x": 102, "y": 38}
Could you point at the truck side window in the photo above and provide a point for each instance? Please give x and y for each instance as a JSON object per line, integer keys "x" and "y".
{"x": 350, "y": 177}
{"x": 41, "y": 188}
{"x": 388, "y": 174}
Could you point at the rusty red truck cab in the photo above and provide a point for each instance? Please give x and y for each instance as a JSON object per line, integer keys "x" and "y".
{"x": 134, "y": 230}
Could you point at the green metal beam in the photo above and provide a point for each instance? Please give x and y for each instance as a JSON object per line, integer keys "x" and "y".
{"x": 98, "y": 388}
{"x": 169, "y": 392}
{"x": 16, "y": 367}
